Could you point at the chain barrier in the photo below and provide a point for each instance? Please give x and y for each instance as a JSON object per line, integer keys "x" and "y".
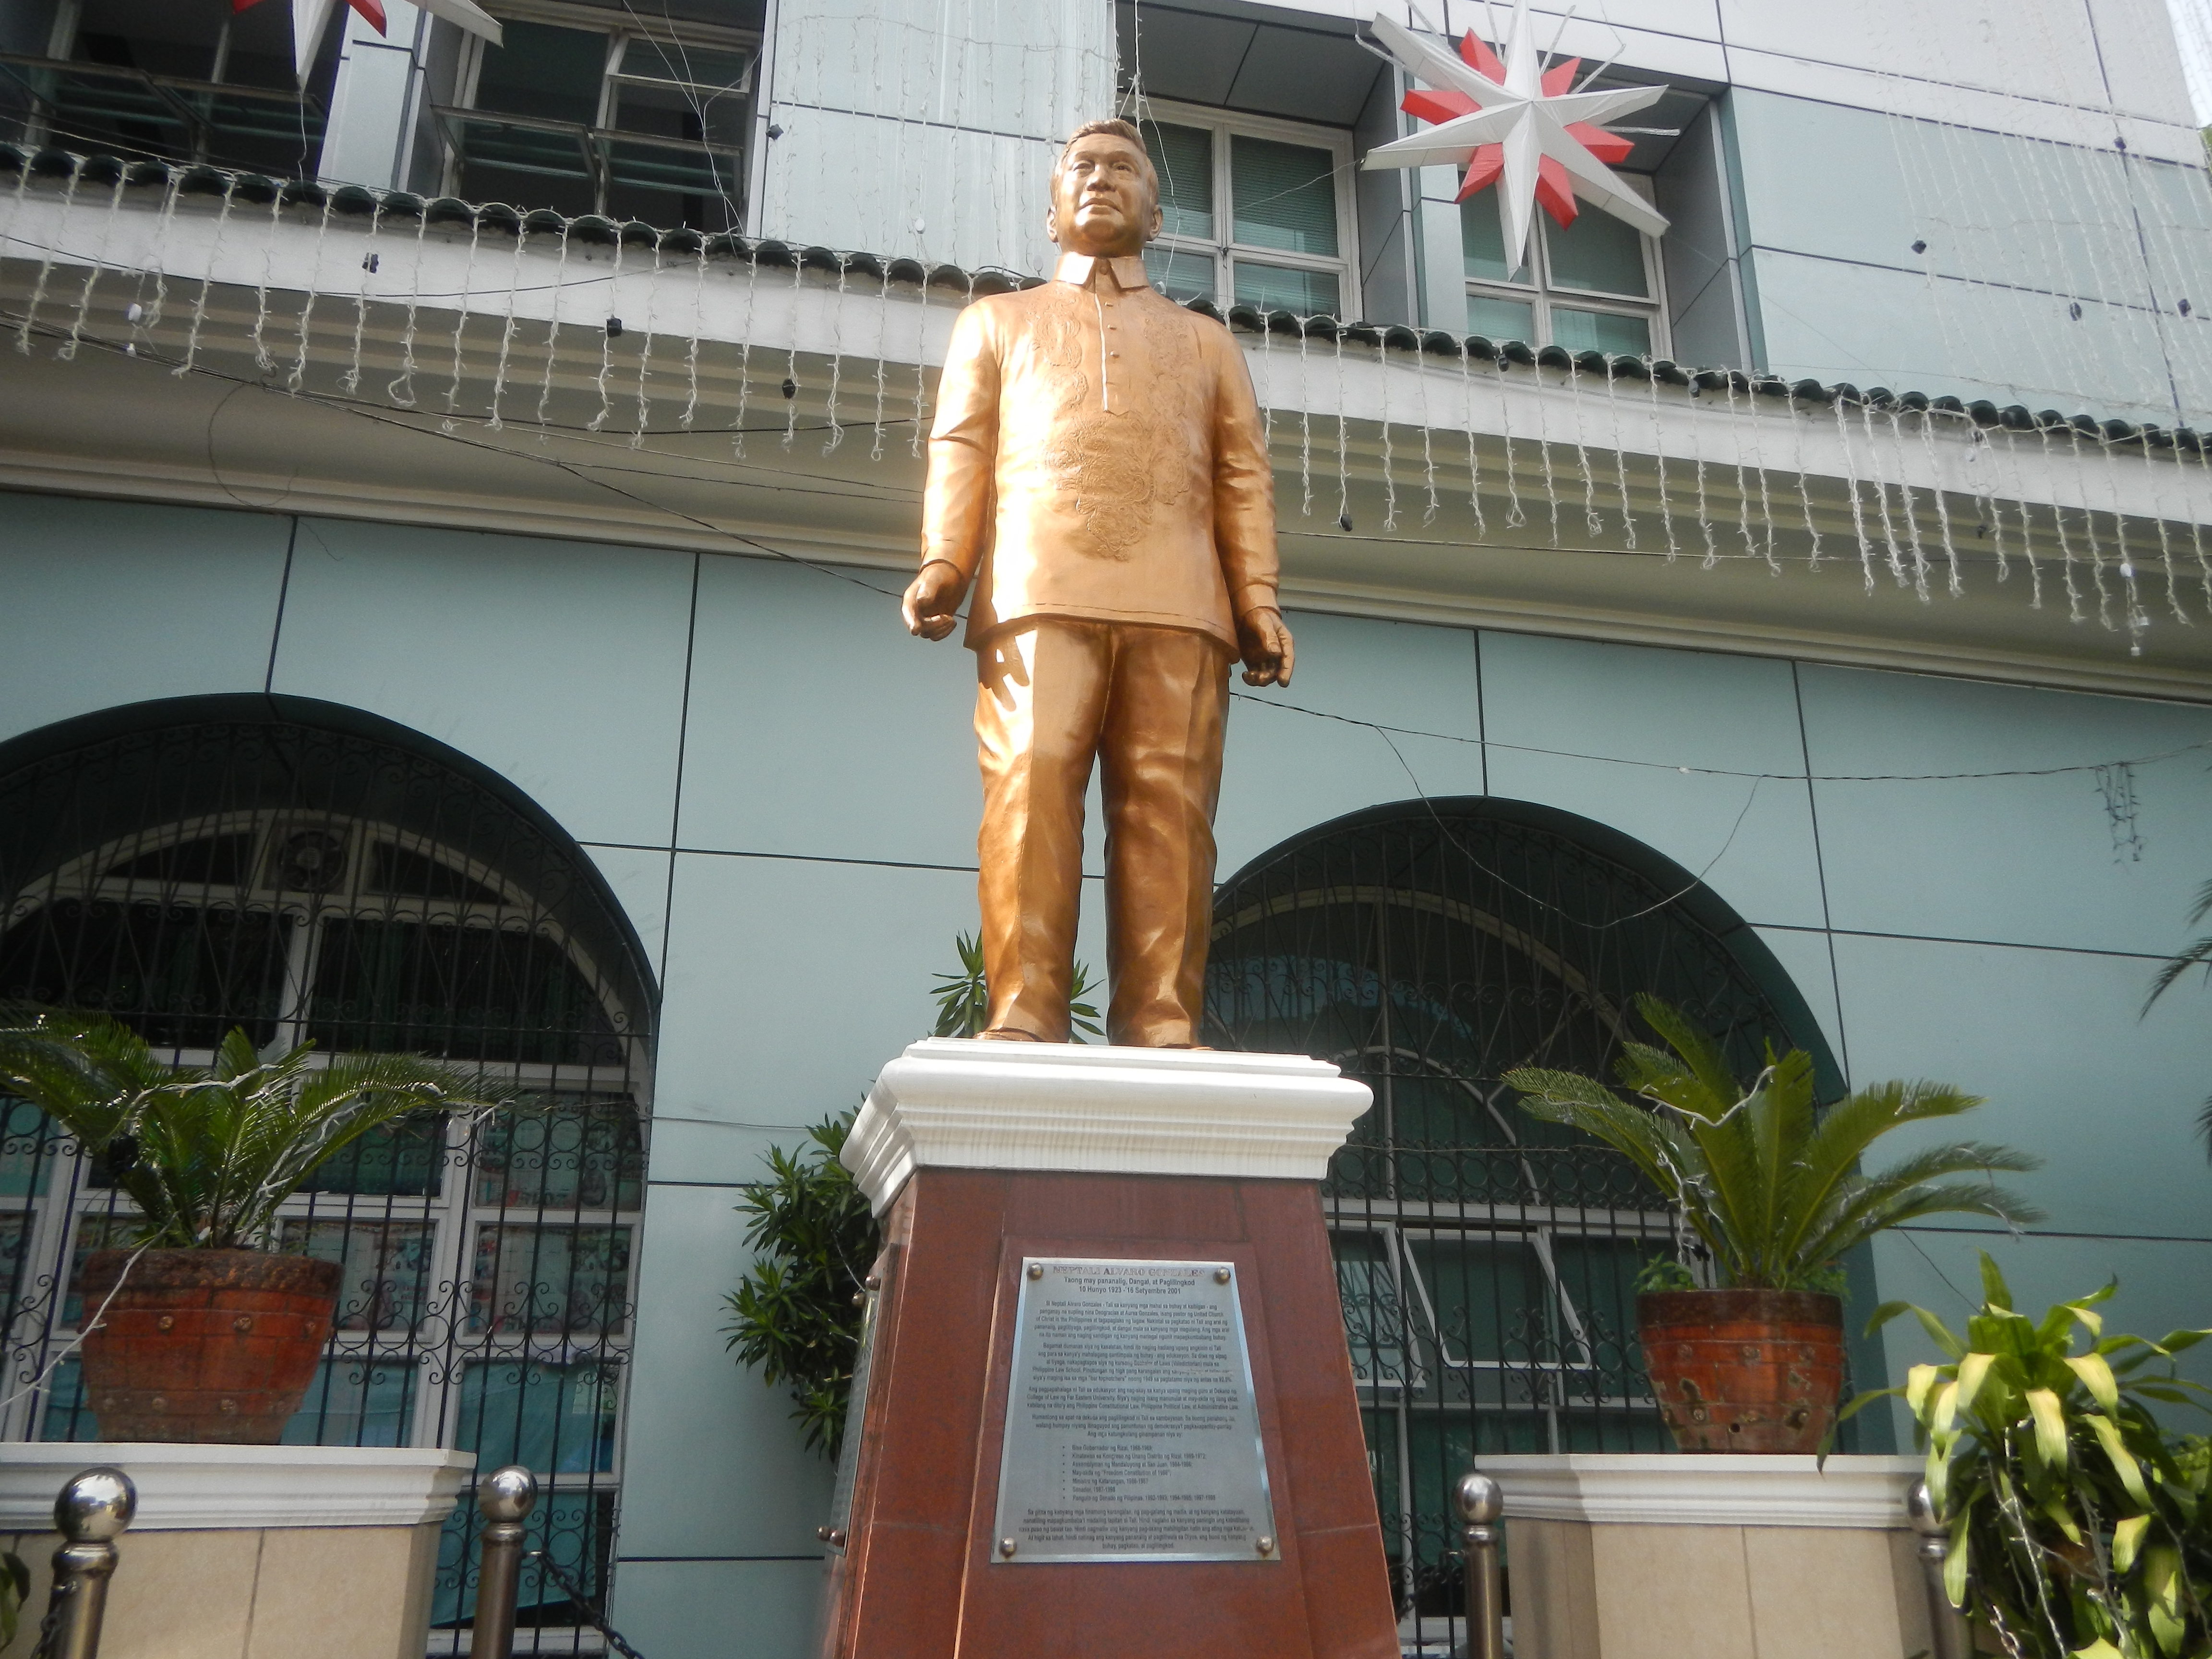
{"x": 582, "y": 1603}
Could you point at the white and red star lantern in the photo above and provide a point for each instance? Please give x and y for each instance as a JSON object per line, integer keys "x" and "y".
{"x": 310, "y": 18}
{"x": 1508, "y": 121}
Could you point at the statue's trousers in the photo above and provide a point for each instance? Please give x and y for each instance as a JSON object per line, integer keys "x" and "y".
{"x": 1150, "y": 703}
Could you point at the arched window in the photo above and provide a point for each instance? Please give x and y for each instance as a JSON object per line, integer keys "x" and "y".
{"x": 316, "y": 875}
{"x": 1487, "y": 1261}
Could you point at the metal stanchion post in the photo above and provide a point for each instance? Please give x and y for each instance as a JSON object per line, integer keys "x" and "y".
{"x": 1480, "y": 1501}
{"x": 1953, "y": 1640}
{"x": 506, "y": 1497}
{"x": 90, "y": 1514}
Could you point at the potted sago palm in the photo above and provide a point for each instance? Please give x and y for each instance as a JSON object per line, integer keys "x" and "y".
{"x": 1771, "y": 1188}
{"x": 197, "y": 1330}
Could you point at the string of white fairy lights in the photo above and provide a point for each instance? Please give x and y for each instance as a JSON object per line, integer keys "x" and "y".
{"x": 2114, "y": 768}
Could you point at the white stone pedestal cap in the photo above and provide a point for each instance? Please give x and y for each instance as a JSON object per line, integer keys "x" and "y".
{"x": 963, "y": 1103}
{"x": 187, "y": 1487}
{"x": 1705, "y": 1489}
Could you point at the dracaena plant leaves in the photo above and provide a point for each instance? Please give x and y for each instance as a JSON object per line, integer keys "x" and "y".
{"x": 2078, "y": 1526}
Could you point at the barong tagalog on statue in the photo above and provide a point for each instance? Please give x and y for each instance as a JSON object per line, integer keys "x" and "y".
{"x": 1132, "y": 1431}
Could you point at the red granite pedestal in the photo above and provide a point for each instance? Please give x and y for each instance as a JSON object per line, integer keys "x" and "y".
{"x": 913, "y": 1575}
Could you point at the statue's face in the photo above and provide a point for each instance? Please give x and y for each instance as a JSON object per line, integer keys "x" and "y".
{"x": 1105, "y": 203}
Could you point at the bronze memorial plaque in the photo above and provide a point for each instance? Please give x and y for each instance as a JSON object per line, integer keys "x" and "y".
{"x": 1131, "y": 1434}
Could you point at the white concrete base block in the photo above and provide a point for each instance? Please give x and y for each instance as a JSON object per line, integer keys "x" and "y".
{"x": 959, "y": 1103}
{"x": 1658, "y": 1555}
{"x": 248, "y": 1552}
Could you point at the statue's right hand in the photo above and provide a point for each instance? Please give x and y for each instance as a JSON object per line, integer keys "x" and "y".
{"x": 931, "y": 597}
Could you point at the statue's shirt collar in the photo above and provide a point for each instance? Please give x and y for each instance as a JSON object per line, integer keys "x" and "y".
{"x": 1128, "y": 270}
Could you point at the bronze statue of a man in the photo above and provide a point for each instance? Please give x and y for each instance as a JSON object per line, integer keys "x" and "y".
{"x": 1098, "y": 474}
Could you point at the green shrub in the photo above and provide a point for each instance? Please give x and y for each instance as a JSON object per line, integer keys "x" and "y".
{"x": 797, "y": 1311}
{"x": 2078, "y": 1526}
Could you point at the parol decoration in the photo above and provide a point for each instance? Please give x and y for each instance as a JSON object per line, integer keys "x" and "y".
{"x": 1514, "y": 121}
{"x": 310, "y": 18}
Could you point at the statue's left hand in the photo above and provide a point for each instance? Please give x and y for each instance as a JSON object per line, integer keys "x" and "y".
{"x": 1265, "y": 645}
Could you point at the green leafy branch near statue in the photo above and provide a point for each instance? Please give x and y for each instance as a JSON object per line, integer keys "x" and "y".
{"x": 795, "y": 1316}
{"x": 2078, "y": 1525}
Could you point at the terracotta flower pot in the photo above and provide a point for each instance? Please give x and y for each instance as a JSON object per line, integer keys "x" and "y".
{"x": 1744, "y": 1370}
{"x": 204, "y": 1345}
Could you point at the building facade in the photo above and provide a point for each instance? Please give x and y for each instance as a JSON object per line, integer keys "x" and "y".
{"x": 457, "y": 493}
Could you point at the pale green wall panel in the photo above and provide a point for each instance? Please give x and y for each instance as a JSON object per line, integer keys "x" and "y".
{"x": 559, "y": 665}
{"x": 2053, "y": 1041}
{"x": 792, "y": 981}
{"x": 2026, "y": 861}
{"x": 108, "y": 602}
{"x": 1833, "y": 321}
{"x": 818, "y": 724}
{"x": 712, "y": 1464}
{"x": 1803, "y": 954}
{"x": 1548, "y": 703}
{"x": 719, "y": 1609}
{"x": 1285, "y": 772}
{"x": 639, "y": 879}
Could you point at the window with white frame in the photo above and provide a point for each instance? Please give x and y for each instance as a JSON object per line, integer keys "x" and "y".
{"x": 1252, "y": 212}
{"x": 634, "y": 121}
{"x": 1590, "y": 286}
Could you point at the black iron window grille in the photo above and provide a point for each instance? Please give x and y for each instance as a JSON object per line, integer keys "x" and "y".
{"x": 1486, "y": 1262}
{"x": 332, "y": 886}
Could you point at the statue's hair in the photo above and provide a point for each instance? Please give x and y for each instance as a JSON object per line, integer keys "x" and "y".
{"x": 1117, "y": 129}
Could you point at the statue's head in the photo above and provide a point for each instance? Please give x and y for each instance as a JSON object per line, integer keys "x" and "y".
{"x": 1105, "y": 194}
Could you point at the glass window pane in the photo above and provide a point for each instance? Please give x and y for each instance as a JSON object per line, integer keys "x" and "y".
{"x": 556, "y": 1419}
{"x": 703, "y": 67}
{"x": 356, "y": 1400}
{"x": 15, "y": 1239}
{"x": 1489, "y": 1299}
{"x": 676, "y": 93}
{"x": 1601, "y": 330}
{"x": 1482, "y": 242}
{"x": 670, "y": 185}
{"x": 550, "y": 1153}
{"x": 399, "y": 1159}
{"x": 386, "y": 1267}
{"x": 1285, "y": 194}
{"x": 100, "y": 1231}
{"x": 550, "y": 1281}
{"x": 542, "y": 71}
{"x": 68, "y": 1414}
{"x": 573, "y": 1528}
{"x": 1273, "y": 288}
{"x": 1374, "y": 1318}
{"x": 464, "y": 992}
{"x": 27, "y": 1147}
{"x": 1500, "y": 319}
{"x": 1179, "y": 273}
{"x": 1183, "y": 157}
{"x": 180, "y": 974}
{"x": 1597, "y": 252}
{"x": 1607, "y": 1378}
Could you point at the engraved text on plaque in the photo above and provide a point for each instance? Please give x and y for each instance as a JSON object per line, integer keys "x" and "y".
{"x": 1131, "y": 1434}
